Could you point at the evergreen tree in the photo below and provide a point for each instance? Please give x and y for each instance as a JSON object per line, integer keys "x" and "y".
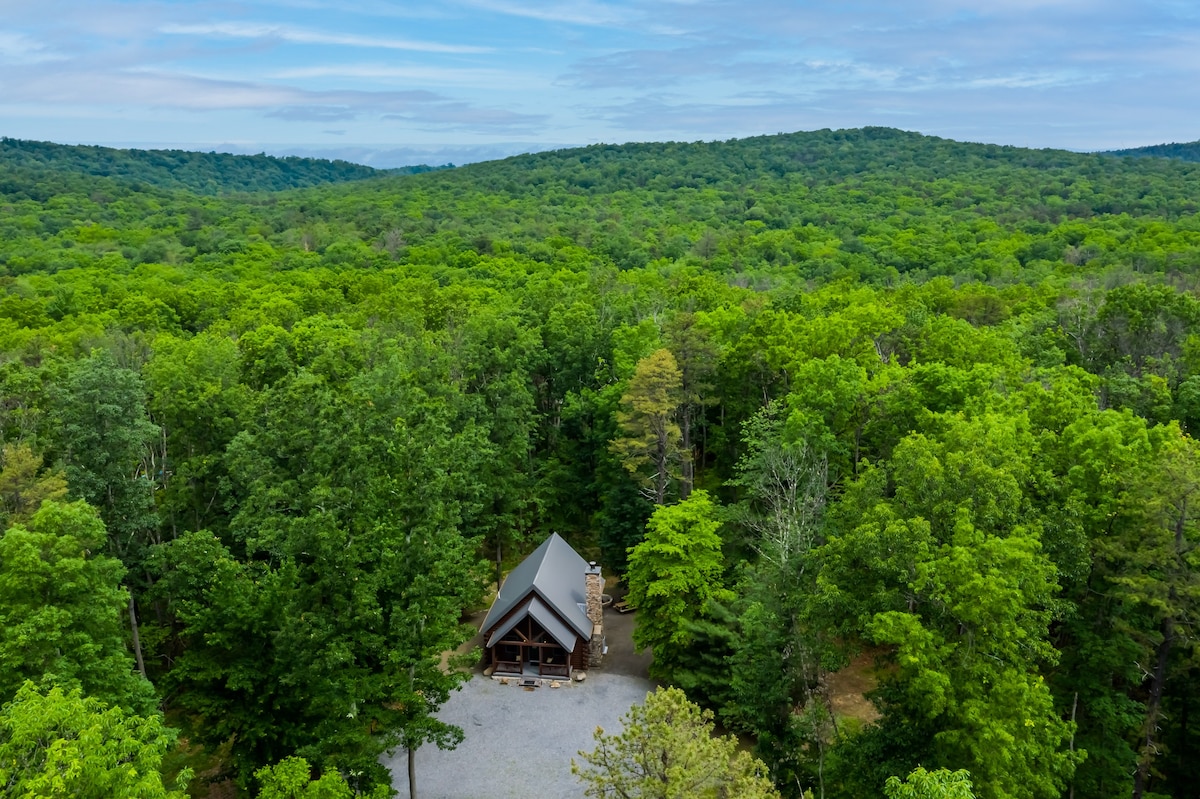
{"x": 666, "y": 750}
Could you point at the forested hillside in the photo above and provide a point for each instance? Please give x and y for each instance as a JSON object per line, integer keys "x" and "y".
{"x": 826, "y": 397}
{"x": 203, "y": 173}
{"x": 1185, "y": 151}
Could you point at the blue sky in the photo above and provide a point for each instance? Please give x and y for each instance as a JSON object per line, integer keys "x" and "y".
{"x": 460, "y": 80}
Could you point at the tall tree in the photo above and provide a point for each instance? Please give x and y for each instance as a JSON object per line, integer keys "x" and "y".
{"x": 696, "y": 357}
{"x": 673, "y": 575}
{"x": 776, "y": 674}
{"x": 196, "y": 400}
{"x": 785, "y": 484}
{"x": 103, "y": 439}
{"x": 1109, "y": 461}
{"x": 940, "y": 560}
{"x": 1158, "y": 574}
{"x": 650, "y": 441}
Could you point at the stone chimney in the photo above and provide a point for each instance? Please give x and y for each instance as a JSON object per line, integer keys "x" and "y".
{"x": 593, "y": 591}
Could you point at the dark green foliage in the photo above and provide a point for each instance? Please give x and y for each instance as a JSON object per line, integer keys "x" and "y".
{"x": 1184, "y": 151}
{"x": 354, "y": 569}
{"x": 105, "y": 444}
{"x": 621, "y": 521}
{"x": 202, "y": 173}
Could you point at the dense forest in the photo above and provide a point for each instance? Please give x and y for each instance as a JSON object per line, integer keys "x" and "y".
{"x": 819, "y": 398}
{"x": 202, "y": 173}
{"x": 1186, "y": 151}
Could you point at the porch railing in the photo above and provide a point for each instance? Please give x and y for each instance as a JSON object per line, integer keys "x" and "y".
{"x": 554, "y": 670}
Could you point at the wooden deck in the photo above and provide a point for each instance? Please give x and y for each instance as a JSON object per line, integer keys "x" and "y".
{"x": 511, "y": 668}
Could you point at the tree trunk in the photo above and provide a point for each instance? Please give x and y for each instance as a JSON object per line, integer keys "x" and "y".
{"x": 1157, "y": 686}
{"x": 137, "y": 641}
{"x": 412, "y": 773}
{"x": 412, "y": 750}
{"x": 685, "y": 428}
{"x": 499, "y": 561}
{"x": 661, "y": 463}
{"x": 1074, "y": 707}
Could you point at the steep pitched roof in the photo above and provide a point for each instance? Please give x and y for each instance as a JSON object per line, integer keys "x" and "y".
{"x": 563, "y": 635}
{"x": 553, "y": 571}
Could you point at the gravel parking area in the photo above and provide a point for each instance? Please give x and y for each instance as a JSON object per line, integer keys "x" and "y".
{"x": 519, "y": 743}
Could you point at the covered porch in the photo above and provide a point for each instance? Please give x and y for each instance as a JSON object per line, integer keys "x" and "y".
{"x": 527, "y": 649}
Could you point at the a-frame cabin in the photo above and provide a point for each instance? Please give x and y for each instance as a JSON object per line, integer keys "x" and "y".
{"x": 547, "y": 619}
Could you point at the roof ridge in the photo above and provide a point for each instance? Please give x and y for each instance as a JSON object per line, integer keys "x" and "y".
{"x": 548, "y": 544}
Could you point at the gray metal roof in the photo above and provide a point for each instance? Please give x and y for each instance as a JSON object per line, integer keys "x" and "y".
{"x": 563, "y": 635}
{"x": 553, "y": 571}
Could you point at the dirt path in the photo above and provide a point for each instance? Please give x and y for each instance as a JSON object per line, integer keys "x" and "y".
{"x": 621, "y": 657}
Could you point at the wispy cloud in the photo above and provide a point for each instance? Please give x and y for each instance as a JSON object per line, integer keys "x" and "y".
{"x": 18, "y": 48}
{"x": 571, "y": 13}
{"x": 1033, "y": 80}
{"x": 466, "y": 117}
{"x": 166, "y": 90}
{"x": 313, "y": 113}
{"x": 445, "y": 76}
{"x": 285, "y": 33}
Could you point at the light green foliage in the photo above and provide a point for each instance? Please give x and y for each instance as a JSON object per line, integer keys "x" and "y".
{"x": 24, "y": 484}
{"x": 922, "y": 784}
{"x": 61, "y": 605}
{"x": 291, "y": 778}
{"x": 63, "y": 745}
{"x": 650, "y": 441}
{"x": 666, "y": 750}
{"x": 672, "y": 576}
{"x": 829, "y": 403}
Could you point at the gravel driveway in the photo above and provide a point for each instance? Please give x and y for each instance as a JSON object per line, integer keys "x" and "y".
{"x": 519, "y": 743}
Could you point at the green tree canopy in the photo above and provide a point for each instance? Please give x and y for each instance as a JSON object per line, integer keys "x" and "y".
{"x": 291, "y": 778}
{"x": 922, "y": 784}
{"x": 666, "y": 750}
{"x": 24, "y": 484}
{"x": 673, "y": 575}
{"x": 60, "y": 608}
{"x": 58, "y": 744}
